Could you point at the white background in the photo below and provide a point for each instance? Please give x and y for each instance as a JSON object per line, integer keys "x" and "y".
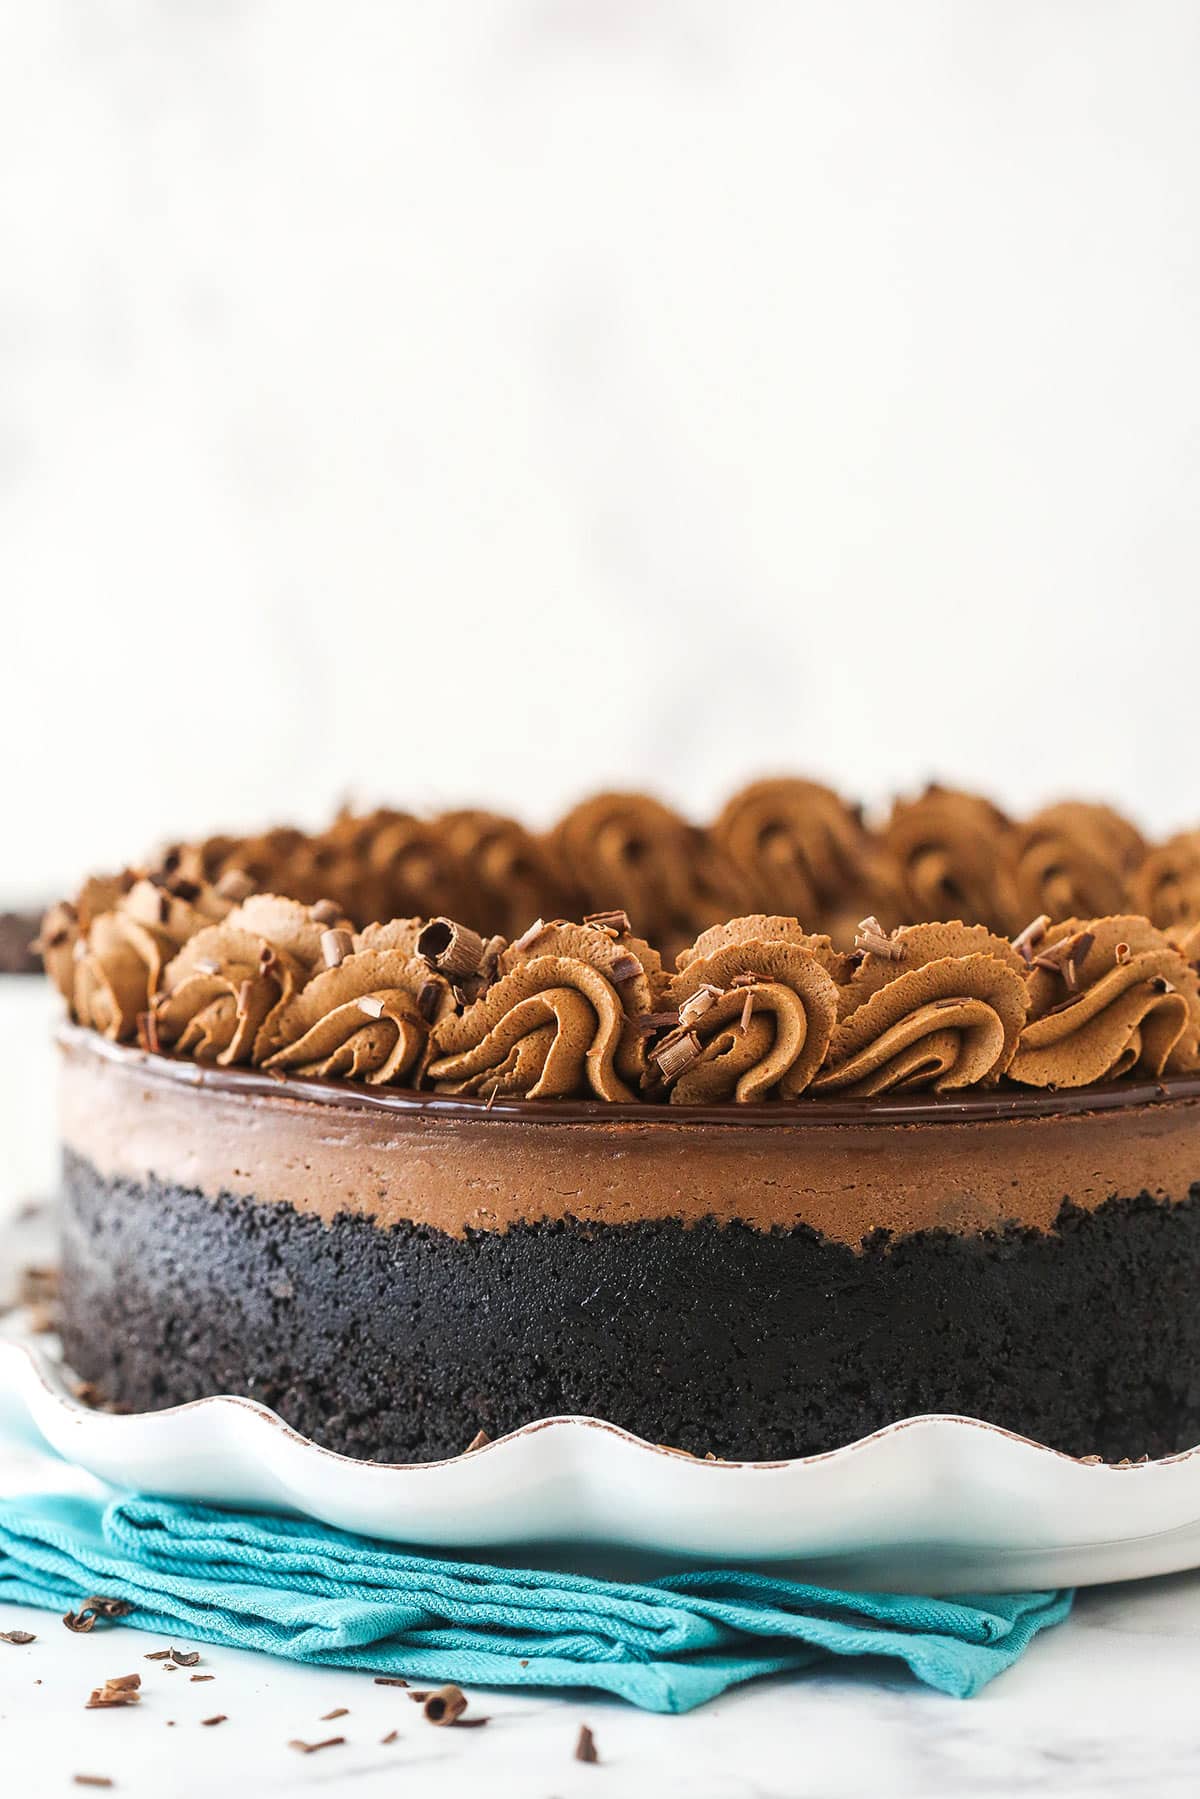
{"x": 491, "y": 400}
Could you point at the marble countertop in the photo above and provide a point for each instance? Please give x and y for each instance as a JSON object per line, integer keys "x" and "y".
{"x": 1104, "y": 1704}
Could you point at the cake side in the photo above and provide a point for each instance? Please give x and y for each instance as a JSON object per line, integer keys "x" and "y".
{"x": 392, "y": 1281}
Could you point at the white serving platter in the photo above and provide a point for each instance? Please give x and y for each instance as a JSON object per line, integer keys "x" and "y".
{"x": 933, "y": 1504}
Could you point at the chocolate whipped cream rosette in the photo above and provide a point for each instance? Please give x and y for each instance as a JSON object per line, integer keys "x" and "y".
{"x": 949, "y": 849}
{"x": 1073, "y": 859}
{"x": 937, "y": 1006}
{"x": 754, "y": 1004}
{"x": 562, "y": 1017}
{"x": 1108, "y": 998}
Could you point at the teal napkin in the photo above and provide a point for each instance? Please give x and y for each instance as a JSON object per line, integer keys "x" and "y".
{"x": 298, "y": 1589}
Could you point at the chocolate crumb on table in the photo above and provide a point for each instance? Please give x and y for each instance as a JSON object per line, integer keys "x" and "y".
{"x": 585, "y": 1746}
{"x": 219, "y": 1718}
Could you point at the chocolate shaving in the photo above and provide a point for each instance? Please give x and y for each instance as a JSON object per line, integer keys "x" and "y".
{"x": 336, "y": 945}
{"x": 217, "y": 1718}
{"x": 1091, "y": 1461}
{"x": 325, "y": 912}
{"x": 1123, "y": 953}
{"x": 747, "y": 978}
{"x": 389, "y": 1680}
{"x": 311, "y": 1748}
{"x": 625, "y": 967}
{"x": 698, "y": 1003}
{"x": 453, "y": 949}
{"x": 585, "y": 1746}
{"x": 19, "y": 1637}
{"x": 477, "y": 1441}
{"x": 676, "y": 1053}
{"x": 647, "y": 1023}
{"x": 91, "y": 1780}
{"x": 147, "y": 1032}
{"x": 96, "y": 1607}
{"x": 122, "y": 1689}
{"x": 1160, "y": 984}
{"x": 428, "y": 998}
{"x": 615, "y": 921}
{"x": 1062, "y": 958}
{"x": 339, "y": 1711}
{"x": 871, "y": 937}
{"x": 747, "y": 1011}
{"x": 445, "y": 1706}
{"x": 529, "y": 936}
{"x": 371, "y": 1005}
{"x": 186, "y": 1658}
{"x": 1026, "y": 941}
{"x": 391, "y": 1736}
{"x": 195, "y": 1677}
{"x": 207, "y": 965}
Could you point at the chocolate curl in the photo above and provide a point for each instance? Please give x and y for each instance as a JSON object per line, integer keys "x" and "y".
{"x": 948, "y": 1024}
{"x": 235, "y": 884}
{"x": 445, "y": 1706}
{"x": 453, "y": 949}
{"x": 335, "y": 947}
{"x": 871, "y": 939}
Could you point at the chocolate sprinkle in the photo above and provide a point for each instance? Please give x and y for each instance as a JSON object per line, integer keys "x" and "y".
{"x": 585, "y": 1746}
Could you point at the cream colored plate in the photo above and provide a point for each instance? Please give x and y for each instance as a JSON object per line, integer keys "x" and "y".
{"x": 935, "y": 1504}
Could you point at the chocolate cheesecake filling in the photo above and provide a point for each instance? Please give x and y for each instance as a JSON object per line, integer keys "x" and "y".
{"x": 394, "y": 1272}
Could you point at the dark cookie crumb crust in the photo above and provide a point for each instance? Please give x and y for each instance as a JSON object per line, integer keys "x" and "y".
{"x": 400, "y": 1344}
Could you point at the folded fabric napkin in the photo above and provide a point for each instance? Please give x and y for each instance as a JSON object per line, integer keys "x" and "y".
{"x": 298, "y": 1589}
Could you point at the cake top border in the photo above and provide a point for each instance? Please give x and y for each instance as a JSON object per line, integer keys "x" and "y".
{"x": 194, "y": 958}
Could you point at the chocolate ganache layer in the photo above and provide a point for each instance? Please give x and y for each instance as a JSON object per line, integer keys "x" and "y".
{"x": 394, "y": 1272}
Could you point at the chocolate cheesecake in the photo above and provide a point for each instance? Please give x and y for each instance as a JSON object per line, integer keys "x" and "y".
{"x": 409, "y": 1179}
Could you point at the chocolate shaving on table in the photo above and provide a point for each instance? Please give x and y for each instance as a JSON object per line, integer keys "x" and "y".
{"x": 312, "y": 1748}
{"x": 91, "y": 1780}
{"x": 389, "y": 1680}
{"x": 445, "y": 1705}
{"x": 97, "y": 1606}
{"x": 391, "y": 1737}
{"x": 339, "y": 1711}
{"x": 217, "y": 1718}
{"x": 478, "y": 1441}
{"x": 19, "y": 1637}
{"x": 196, "y": 1677}
{"x": 122, "y": 1689}
{"x": 585, "y": 1746}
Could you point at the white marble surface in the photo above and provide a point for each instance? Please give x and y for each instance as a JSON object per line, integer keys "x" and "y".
{"x": 1106, "y": 1704}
